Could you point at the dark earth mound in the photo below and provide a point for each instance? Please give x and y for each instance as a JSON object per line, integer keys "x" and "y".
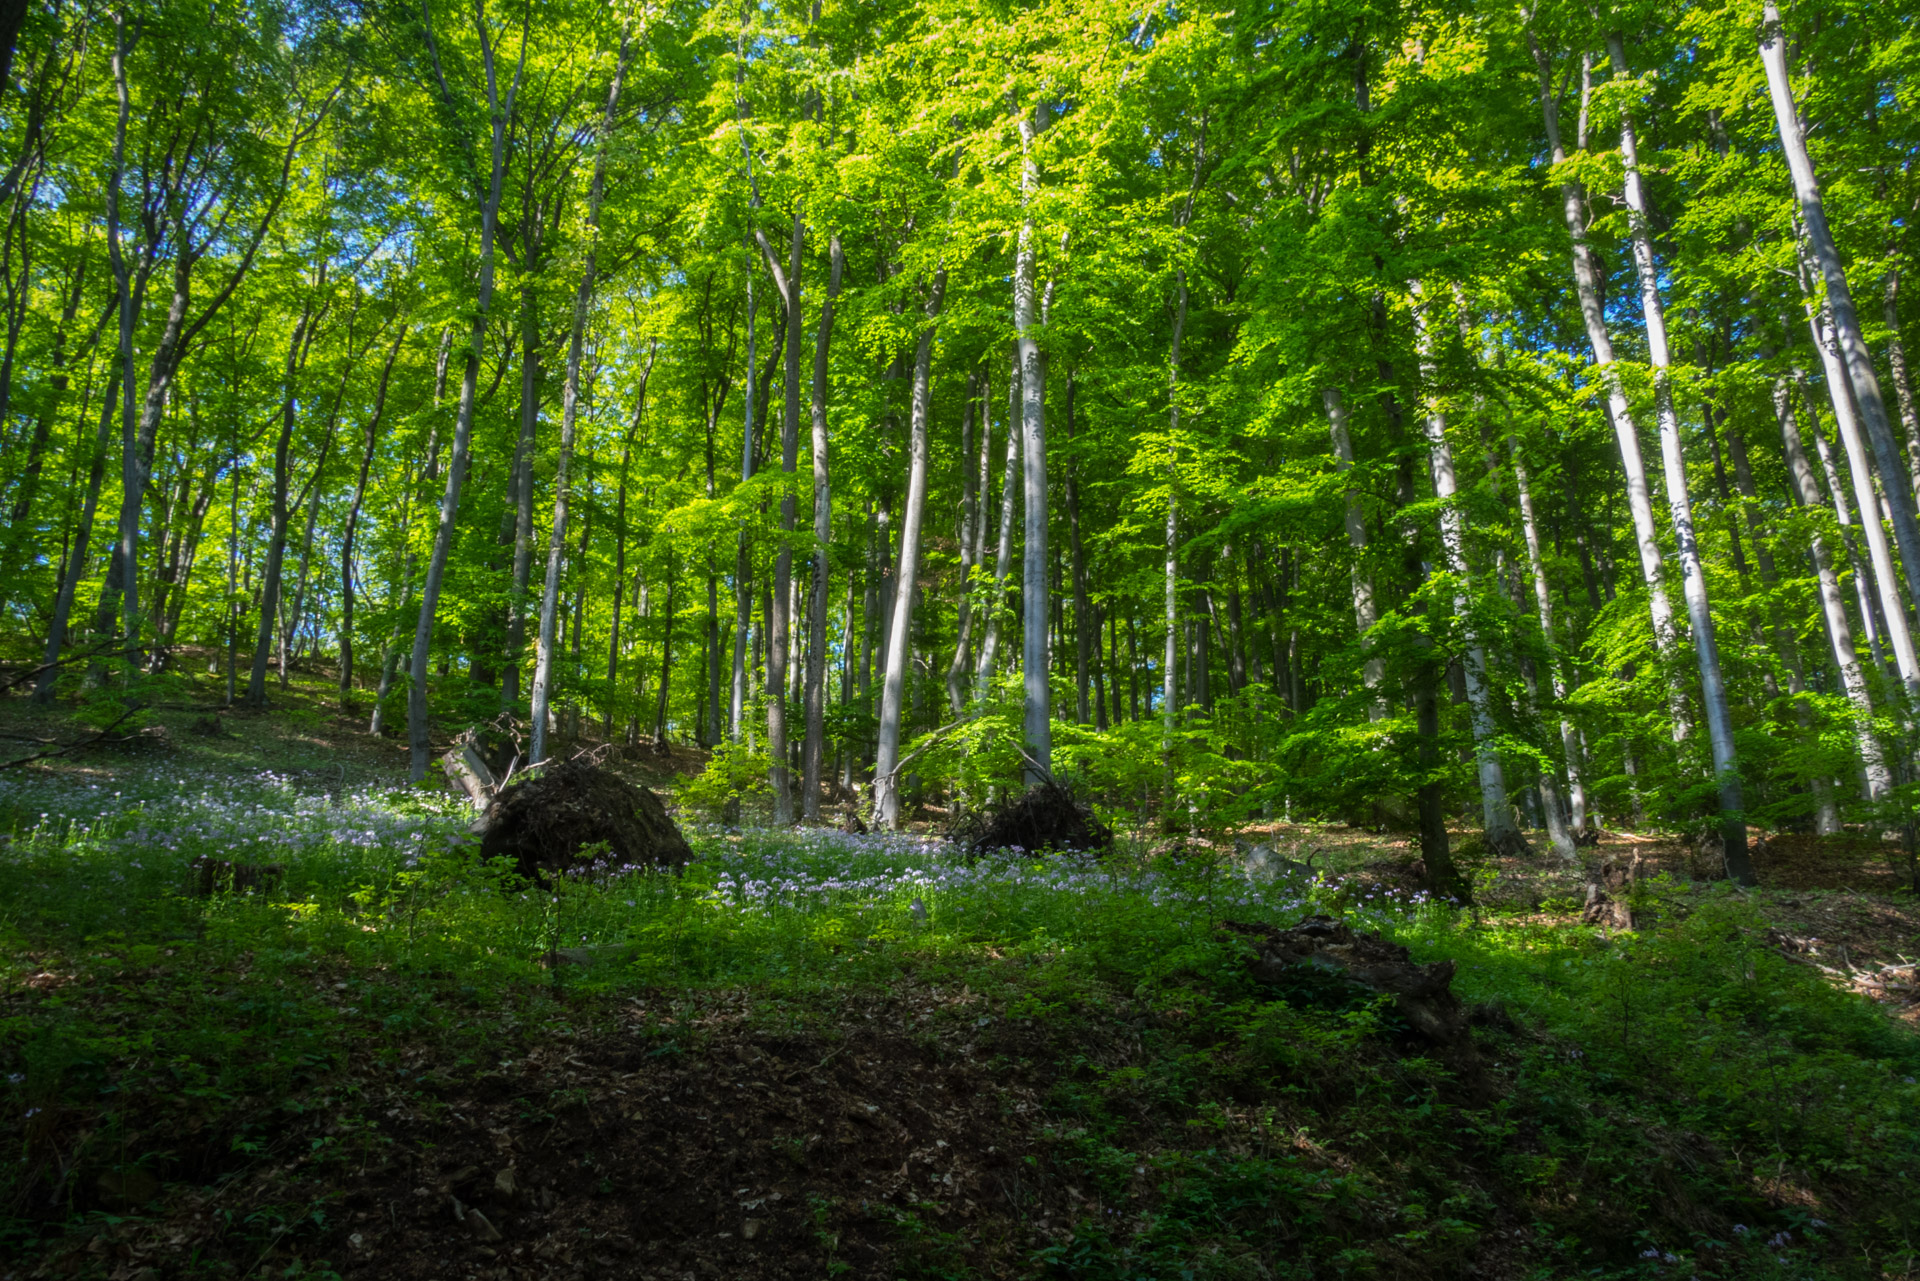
{"x": 577, "y": 814}
{"x": 1320, "y": 956}
{"x": 1047, "y": 816}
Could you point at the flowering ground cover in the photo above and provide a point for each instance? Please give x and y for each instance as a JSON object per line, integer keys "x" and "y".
{"x": 817, "y": 1053}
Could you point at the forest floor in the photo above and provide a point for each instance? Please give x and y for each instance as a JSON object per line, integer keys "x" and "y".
{"x": 822, "y": 1055}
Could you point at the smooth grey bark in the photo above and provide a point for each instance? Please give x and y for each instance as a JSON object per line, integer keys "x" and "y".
{"x": 1037, "y": 724}
{"x": 1587, "y": 287}
{"x": 742, "y": 563}
{"x": 517, "y": 523}
{"x": 1170, "y": 660}
{"x": 1083, "y": 621}
{"x": 1366, "y": 609}
{"x": 1860, "y": 473}
{"x": 419, "y": 729}
{"x": 1496, "y": 808}
{"x": 972, "y": 516}
{"x": 620, "y": 547}
{"x": 1693, "y": 582}
{"x": 886, "y": 760}
{"x": 569, "y": 416}
{"x": 813, "y": 749}
{"x": 1902, "y": 377}
{"x": 779, "y": 616}
{"x": 1003, "y": 547}
{"x": 1826, "y": 811}
{"x": 1896, "y": 484}
{"x": 1543, "y": 605}
{"x": 666, "y": 662}
{"x": 1832, "y": 603}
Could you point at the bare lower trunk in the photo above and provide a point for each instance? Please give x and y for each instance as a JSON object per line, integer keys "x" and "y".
{"x": 1366, "y": 612}
{"x": 419, "y": 727}
{"x": 520, "y": 490}
{"x": 1832, "y": 604}
{"x": 972, "y": 513}
{"x": 1084, "y": 633}
{"x": 1503, "y": 837}
{"x": 779, "y": 623}
{"x": 1706, "y": 648}
{"x": 814, "y": 749}
{"x": 1003, "y": 548}
{"x": 666, "y": 662}
{"x": 569, "y": 414}
{"x": 1902, "y": 378}
{"x": 353, "y": 522}
{"x": 277, "y": 532}
{"x": 1170, "y": 660}
{"x": 1543, "y": 602}
{"x": 1587, "y": 286}
{"x": 1037, "y": 721}
{"x": 1860, "y": 472}
{"x": 886, "y": 792}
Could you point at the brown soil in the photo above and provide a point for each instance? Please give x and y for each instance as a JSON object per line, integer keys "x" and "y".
{"x": 695, "y": 1139}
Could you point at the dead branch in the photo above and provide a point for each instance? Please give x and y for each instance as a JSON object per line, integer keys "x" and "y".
{"x": 101, "y": 737}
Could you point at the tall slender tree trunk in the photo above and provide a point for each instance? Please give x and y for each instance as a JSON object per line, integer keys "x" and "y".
{"x": 1866, "y": 586}
{"x": 76, "y": 562}
{"x": 886, "y": 791}
{"x": 1366, "y": 611}
{"x": 1003, "y": 547}
{"x": 660, "y": 743}
{"x": 290, "y": 631}
{"x": 1543, "y": 604}
{"x": 814, "y": 749}
{"x": 517, "y": 527}
{"x": 20, "y": 518}
{"x": 1085, "y": 628}
{"x": 779, "y": 621}
{"x": 1170, "y": 661}
{"x": 1503, "y": 837}
{"x": 419, "y": 728}
{"x": 620, "y": 532}
{"x": 569, "y": 417}
{"x": 403, "y": 592}
{"x": 1902, "y": 377}
{"x": 353, "y": 522}
{"x": 1860, "y": 472}
{"x": 1587, "y": 286}
{"x": 1693, "y": 580}
{"x": 1896, "y": 484}
{"x": 277, "y": 531}
{"x": 1037, "y": 723}
{"x": 1833, "y": 606}
{"x": 972, "y": 515}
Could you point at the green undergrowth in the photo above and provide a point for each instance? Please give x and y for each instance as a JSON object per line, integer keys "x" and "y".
{"x": 1682, "y": 1102}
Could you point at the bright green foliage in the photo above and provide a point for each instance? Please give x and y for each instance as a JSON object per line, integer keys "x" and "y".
{"x": 1291, "y": 174}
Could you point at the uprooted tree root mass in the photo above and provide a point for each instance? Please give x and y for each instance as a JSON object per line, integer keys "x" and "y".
{"x": 1320, "y": 956}
{"x": 1047, "y": 816}
{"x": 575, "y": 814}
